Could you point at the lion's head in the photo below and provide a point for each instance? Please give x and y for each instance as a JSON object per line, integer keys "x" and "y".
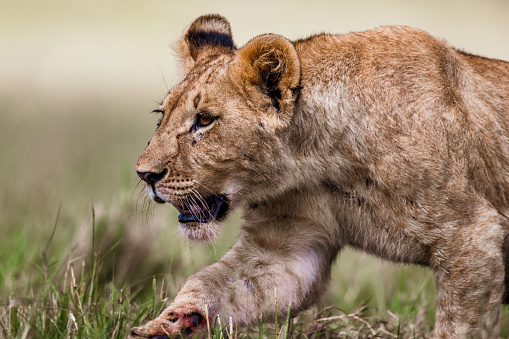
{"x": 220, "y": 141}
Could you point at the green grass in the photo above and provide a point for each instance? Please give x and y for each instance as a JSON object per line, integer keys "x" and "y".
{"x": 83, "y": 299}
{"x": 85, "y": 255}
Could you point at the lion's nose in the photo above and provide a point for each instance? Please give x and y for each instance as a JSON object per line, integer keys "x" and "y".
{"x": 152, "y": 177}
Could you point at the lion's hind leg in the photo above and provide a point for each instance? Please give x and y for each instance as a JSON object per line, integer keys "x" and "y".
{"x": 469, "y": 274}
{"x": 506, "y": 265}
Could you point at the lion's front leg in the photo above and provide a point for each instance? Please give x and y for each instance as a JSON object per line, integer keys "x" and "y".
{"x": 242, "y": 285}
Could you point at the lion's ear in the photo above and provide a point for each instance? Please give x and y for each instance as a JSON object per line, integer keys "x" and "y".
{"x": 207, "y": 35}
{"x": 271, "y": 63}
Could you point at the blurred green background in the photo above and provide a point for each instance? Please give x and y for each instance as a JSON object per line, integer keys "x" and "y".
{"x": 77, "y": 82}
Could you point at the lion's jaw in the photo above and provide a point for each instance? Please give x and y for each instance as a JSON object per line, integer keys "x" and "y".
{"x": 200, "y": 217}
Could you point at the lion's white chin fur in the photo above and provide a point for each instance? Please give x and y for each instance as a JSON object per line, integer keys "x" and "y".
{"x": 198, "y": 231}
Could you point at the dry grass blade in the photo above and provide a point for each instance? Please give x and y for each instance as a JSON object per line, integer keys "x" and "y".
{"x": 333, "y": 322}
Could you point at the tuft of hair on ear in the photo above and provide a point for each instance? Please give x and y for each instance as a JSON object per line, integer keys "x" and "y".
{"x": 208, "y": 35}
{"x": 272, "y": 68}
{"x": 270, "y": 62}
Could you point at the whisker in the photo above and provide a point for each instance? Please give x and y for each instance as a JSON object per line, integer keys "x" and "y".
{"x": 192, "y": 201}
{"x": 137, "y": 202}
{"x": 202, "y": 185}
{"x": 197, "y": 195}
{"x": 193, "y": 206}
{"x": 205, "y": 187}
{"x": 202, "y": 201}
{"x": 175, "y": 232}
{"x": 212, "y": 242}
{"x": 164, "y": 80}
{"x": 140, "y": 196}
{"x": 144, "y": 207}
{"x": 135, "y": 187}
{"x": 147, "y": 205}
{"x": 183, "y": 202}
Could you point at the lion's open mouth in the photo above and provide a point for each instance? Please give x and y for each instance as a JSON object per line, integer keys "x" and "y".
{"x": 203, "y": 210}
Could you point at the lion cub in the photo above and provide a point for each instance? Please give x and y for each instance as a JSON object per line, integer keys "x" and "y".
{"x": 389, "y": 141}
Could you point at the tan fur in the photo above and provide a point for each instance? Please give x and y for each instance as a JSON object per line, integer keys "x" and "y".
{"x": 389, "y": 141}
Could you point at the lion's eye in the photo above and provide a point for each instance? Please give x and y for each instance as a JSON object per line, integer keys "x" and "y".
{"x": 203, "y": 121}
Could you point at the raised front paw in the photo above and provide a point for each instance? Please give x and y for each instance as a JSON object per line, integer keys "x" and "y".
{"x": 171, "y": 324}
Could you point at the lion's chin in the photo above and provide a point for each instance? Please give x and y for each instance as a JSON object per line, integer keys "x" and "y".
{"x": 201, "y": 219}
{"x": 199, "y": 231}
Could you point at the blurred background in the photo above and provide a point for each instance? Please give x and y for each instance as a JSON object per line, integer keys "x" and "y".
{"x": 77, "y": 82}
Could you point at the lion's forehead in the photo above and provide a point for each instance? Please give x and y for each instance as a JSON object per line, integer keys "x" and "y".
{"x": 201, "y": 85}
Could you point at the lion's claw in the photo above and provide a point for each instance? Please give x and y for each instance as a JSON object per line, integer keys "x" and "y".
{"x": 172, "y": 324}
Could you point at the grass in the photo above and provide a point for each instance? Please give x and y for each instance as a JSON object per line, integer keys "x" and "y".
{"x": 93, "y": 295}
{"x": 85, "y": 255}
{"x": 78, "y": 300}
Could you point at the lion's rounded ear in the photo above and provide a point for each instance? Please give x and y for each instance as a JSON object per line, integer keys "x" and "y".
{"x": 207, "y": 35}
{"x": 271, "y": 63}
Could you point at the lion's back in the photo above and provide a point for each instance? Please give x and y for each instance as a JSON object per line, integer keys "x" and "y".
{"x": 404, "y": 97}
